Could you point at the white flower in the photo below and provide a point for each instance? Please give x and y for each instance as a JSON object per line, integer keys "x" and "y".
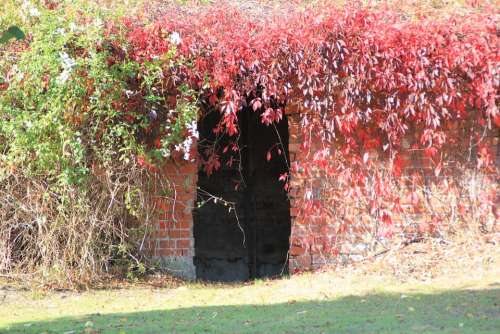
{"x": 73, "y": 27}
{"x": 308, "y": 195}
{"x": 193, "y": 129}
{"x": 165, "y": 152}
{"x": 14, "y": 74}
{"x": 185, "y": 147}
{"x": 63, "y": 77}
{"x": 34, "y": 12}
{"x": 60, "y": 31}
{"x": 66, "y": 61}
{"x": 98, "y": 23}
{"x": 29, "y": 8}
{"x": 175, "y": 38}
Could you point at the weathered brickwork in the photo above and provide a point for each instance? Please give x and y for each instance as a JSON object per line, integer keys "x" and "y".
{"x": 173, "y": 237}
{"x": 174, "y": 242}
{"x": 320, "y": 232}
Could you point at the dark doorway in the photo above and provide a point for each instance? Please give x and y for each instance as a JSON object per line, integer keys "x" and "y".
{"x": 248, "y": 238}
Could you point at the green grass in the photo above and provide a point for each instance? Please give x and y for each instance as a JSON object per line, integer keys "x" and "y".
{"x": 312, "y": 303}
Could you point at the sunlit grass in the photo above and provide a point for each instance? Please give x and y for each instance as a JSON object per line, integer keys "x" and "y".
{"x": 320, "y": 302}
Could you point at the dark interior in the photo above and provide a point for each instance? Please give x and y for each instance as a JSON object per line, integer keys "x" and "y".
{"x": 253, "y": 240}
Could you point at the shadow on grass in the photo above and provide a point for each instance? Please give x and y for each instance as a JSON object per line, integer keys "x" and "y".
{"x": 458, "y": 311}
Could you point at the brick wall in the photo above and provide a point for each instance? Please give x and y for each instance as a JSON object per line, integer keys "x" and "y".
{"x": 300, "y": 257}
{"x": 173, "y": 235}
{"x": 173, "y": 238}
{"x": 322, "y": 233}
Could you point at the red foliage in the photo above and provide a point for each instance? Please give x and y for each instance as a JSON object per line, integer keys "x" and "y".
{"x": 354, "y": 67}
{"x": 364, "y": 79}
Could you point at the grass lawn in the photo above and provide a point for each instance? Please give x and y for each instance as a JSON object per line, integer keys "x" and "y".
{"x": 311, "y": 303}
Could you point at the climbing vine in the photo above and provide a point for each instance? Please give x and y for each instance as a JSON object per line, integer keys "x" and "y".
{"x": 390, "y": 109}
{"x": 395, "y": 116}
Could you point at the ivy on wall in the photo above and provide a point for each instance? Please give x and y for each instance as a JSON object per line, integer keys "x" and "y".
{"x": 89, "y": 99}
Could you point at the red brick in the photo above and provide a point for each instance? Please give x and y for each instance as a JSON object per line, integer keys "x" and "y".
{"x": 171, "y": 168}
{"x": 294, "y": 147}
{"x": 183, "y": 244}
{"x": 294, "y": 212}
{"x": 183, "y": 224}
{"x": 187, "y": 252}
{"x": 302, "y": 262}
{"x": 167, "y": 244}
{"x": 190, "y": 169}
{"x": 302, "y": 221}
{"x": 159, "y": 234}
{"x": 163, "y": 224}
{"x": 173, "y": 233}
{"x": 297, "y": 250}
{"x": 179, "y": 234}
{"x": 186, "y": 234}
{"x": 184, "y": 196}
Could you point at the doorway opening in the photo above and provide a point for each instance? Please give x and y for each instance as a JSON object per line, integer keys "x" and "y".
{"x": 242, "y": 221}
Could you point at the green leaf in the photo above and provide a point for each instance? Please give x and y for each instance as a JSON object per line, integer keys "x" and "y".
{"x": 12, "y": 32}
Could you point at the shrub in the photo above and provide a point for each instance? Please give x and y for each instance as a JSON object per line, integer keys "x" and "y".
{"x": 76, "y": 196}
